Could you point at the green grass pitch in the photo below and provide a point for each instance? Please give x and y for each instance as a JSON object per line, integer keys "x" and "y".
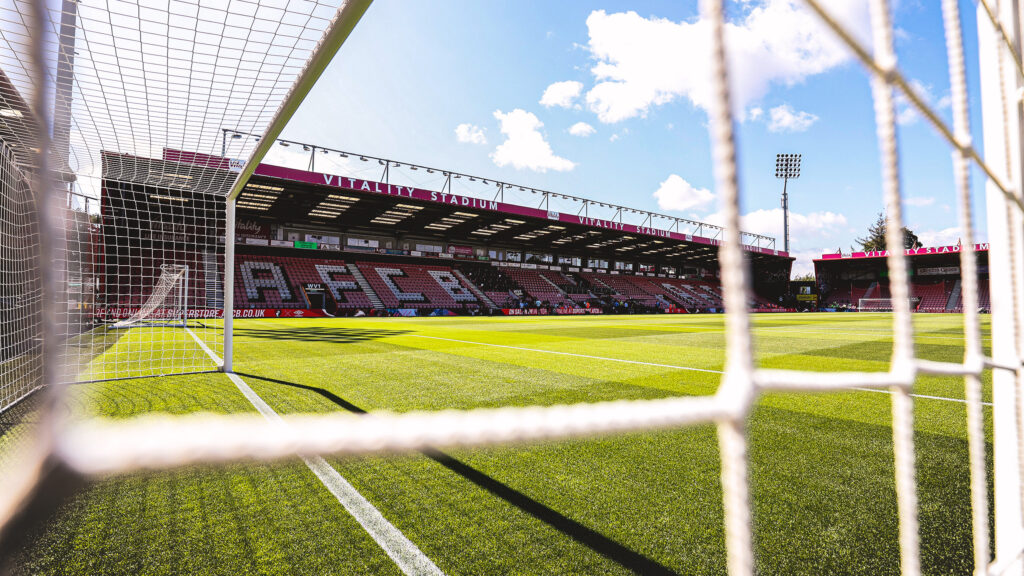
{"x": 648, "y": 503}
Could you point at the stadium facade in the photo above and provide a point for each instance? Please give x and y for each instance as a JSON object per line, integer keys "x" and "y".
{"x": 860, "y": 280}
{"x": 310, "y": 243}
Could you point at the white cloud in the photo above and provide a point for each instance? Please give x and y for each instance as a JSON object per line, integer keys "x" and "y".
{"x": 804, "y": 263}
{"x": 785, "y": 119}
{"x": 919, "y": 201}
{"x": 613, "y": 137}
{"x": 943, "y": 237}
{"x": 470, "y": 134}
{"x": 755, "y": 113}
{"x": 581, "y": 129}
{"x": 678, "y": 194}
{"x": 561, "y": 94}
{"x": 524, "y": 145}
{"x": 645, "y": 62}
{"x": 810, "y": 235}
{"x": 804, "y": 226}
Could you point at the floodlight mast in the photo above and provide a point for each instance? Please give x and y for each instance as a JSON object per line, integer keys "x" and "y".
{"x": 786, "y": 166}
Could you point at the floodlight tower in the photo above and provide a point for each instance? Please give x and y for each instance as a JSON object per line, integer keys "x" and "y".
{"x": 786, "y": 166}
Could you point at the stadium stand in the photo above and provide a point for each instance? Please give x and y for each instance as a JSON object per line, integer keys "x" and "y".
{"x": 417, "y": 286}
{"x": 539, "y": 286}
{"x": 277, "y": 282}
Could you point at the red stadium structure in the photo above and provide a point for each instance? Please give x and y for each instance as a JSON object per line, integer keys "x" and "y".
{"x": 859, "y": 280}
{"x": 310, "y": 243}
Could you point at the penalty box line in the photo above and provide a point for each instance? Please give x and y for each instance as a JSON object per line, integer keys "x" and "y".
{"x": 402, "y": 551}
{"x": 672, "y": 366}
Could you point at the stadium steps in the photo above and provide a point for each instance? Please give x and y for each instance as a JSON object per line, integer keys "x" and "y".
{"x": 553, "y": 285}
{"x": 871, "y": 291}
{"x": 361, "y": 280}
{"x": 953, "y": 302}
{"x": 597, "y": 281}
{"x": 213, "y": 283}
{"x": 473, "y": 288}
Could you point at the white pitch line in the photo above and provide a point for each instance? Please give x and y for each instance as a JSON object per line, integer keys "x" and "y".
{"x": 674, "y": 367}
{"x": 572, "y": 354}
{"x": 406, "y": 555}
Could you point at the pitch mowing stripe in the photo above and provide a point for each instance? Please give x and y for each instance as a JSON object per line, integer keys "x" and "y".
{"x": 922, "y": 396}
{"x": 406, "y": 555}
{"x": 570, "y": 354}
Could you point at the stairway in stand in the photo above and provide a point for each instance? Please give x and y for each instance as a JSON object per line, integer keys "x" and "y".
{"x": 473, "y": 288}
{"x": 361, "y": 280}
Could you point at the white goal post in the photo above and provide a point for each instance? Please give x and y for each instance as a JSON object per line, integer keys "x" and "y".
{"x": 883, "y": 304}
{"x": 167, "y": 305}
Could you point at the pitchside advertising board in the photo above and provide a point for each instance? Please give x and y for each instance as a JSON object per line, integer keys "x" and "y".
{"x": 544, "y": 311}
{"x": 346, "y": 183}
{"x": 207, "y": 314}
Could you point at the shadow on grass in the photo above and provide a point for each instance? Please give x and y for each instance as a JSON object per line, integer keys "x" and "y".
{"x": 610, "y": 549}
{"x": 336, "y": 335}
{"x": 23, "y": 412}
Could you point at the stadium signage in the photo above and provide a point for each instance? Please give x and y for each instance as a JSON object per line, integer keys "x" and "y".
{"x": 118, "y": 313}
{"x": 598, "y": 223}
{"x": 525, "y": 311}
{"x": 348, "y": 183}
{"x": 578, "y": 311}
{"x": 982, "y": 247}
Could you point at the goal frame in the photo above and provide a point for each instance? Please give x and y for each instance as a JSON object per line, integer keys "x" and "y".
{"x": 182, "y": 296}
{"x": 912, "y": 303}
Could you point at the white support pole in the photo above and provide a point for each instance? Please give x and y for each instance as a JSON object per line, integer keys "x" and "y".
{"x": 344, "y": 22}
{"x": 229, "y": 283}
{"x": 1009, "y": 523}
{"x": 183, "y": 291}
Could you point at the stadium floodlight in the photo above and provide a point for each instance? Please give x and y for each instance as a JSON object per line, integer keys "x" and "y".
{"x": 786, "y": 166}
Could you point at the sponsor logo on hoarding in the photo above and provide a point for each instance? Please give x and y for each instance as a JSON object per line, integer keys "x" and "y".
{"x": 524, "y": 311}
{"x": 578, "y": 311}
{"x": 552, "y": 215}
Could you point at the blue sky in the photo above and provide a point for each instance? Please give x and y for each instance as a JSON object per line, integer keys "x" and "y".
{"x": 415, "y": 71}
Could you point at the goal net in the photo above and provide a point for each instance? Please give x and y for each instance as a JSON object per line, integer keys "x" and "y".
{"x": 883, "y": 304}
{"x": 120, "y": 139}
{"x": 167, "y": 305}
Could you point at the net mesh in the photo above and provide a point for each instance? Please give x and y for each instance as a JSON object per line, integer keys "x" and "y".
{"x": 20, "y": 292}
{"x": 102, "y": 447}
{"x": 167, "y": 303}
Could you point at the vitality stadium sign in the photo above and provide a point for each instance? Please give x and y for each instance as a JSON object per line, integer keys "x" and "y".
{"x": 909, "y": 252}
{"x": 410, "y": 192}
